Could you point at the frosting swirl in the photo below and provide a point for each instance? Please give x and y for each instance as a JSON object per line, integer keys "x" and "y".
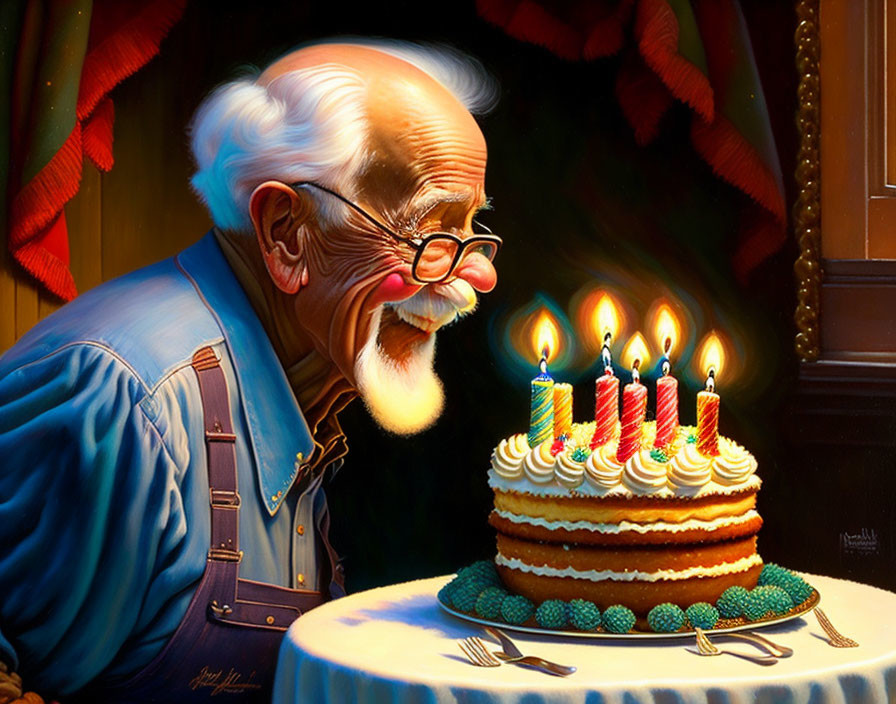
{"x": 602, "y": 468}
{"x": 507, "y": 459}
{"x": 643, "y": 474}
{"x": 539, "y": 463}
{"x": 688, "y": 468}
{"x": 734, "y": 464}
{"x": 569, "y": 471}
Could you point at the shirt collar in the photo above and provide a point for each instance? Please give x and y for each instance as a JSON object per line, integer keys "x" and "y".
{"x": 280, "y": 438}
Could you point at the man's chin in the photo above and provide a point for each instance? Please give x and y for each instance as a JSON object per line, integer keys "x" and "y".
{"x": 396, "y": 379}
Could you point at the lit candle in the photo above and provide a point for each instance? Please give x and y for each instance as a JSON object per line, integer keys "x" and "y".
{"x": 562, "y": 411}
{"x": 634, "y": 405}
{"x": 606, "y": 399}
{"x": 666, "y": 402}
{"x": 710, "y": 360}
{"x": 708, "y": 418}
{"x": 541, "y": 417}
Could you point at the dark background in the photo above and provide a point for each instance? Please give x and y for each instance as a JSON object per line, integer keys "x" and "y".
{"x": 578, "y": 204}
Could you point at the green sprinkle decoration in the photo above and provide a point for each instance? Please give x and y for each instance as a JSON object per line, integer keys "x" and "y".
{"x": 665, "y": 618}
{"x": 659, "y": 455}
{"x": 731, "y": 603}
{"x": 691, "y": 439}
{"x": 488, "y": 604}
{"x": 552, "y": 613}
{"x": 516, "y": 609}
{"x": 702, "y": 615}
{"x": 584, "y": 615}
{"x": 618, "y": 619}
{"x": 580, "y": 454}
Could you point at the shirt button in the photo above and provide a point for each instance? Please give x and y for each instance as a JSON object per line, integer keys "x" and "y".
{"x": 300, "y": 578}
{"x": 300, "y": 529}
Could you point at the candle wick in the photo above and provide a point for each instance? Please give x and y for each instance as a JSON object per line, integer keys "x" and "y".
{"x": 667, "y": 367}
{"x": 636, "y": 374}
{"x": 711, "y": 380}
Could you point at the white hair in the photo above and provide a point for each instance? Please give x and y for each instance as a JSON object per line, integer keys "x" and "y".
{"x": 306, "y": 125}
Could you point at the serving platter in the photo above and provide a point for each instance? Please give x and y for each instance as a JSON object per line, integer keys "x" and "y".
{"x": 794, "y": 613}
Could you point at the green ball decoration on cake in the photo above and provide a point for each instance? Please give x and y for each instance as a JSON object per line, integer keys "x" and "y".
{"x": 584, "y": 615}
{"x": 702, "y": 615}
{"x": 665, "y": 618}
{"x": 618, "y": 619}
{"x": 797, "y": 587}
{"x": 465, "y": 596}
{"x": 776, "y": 599}
{"x": 552, "y": 613}
{"x": 483, "y": 572}
{"x": 731, "y": 603}
{"x": 488, "y": 604}
{"x": 755, "y": 605}
{"x": 516, "y": 609}
{"x": 446, "y": 593}
{"x": 580, "y": 454}
{"x": 773, "y": 574}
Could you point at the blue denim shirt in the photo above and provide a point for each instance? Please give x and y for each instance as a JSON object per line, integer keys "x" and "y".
{"x": 104, "y": 509}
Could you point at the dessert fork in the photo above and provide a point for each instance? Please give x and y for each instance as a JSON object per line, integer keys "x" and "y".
{"x": 837, "y": 639}
{"x": 475, "y": 651}
{"x": 707, "y": 647}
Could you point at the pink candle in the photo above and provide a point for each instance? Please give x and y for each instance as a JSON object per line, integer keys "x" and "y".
{"x": 634, "y": 405}
{"x": 666, "y": 410}
{"x": 606, "y": 408}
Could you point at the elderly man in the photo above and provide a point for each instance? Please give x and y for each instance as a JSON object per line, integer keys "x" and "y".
{"x": 165, "y": 435}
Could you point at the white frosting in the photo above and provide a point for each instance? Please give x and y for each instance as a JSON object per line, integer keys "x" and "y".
{"x": 643, "y": 474}
{"x": 568, "y": 472}
{"x": 629, "y": 526}
{"x": 734, "y": 464}
{"x": 602, "y": 468}
{"x": 688, "y": 468}
{"x": 539, "y": 464}
{"x": 507, "y": 459}
{"x": 741, "y": 565}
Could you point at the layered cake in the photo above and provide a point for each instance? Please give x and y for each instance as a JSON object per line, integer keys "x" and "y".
{"x": 668, "y": 525}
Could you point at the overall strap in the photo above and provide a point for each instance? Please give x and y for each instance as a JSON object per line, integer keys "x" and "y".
{"x": 220, "y": 445}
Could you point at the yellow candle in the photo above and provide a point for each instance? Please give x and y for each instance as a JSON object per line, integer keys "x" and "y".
{"x": 562, "y": 410}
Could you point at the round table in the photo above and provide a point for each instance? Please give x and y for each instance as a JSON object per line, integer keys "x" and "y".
{"x": 395, "y": 644}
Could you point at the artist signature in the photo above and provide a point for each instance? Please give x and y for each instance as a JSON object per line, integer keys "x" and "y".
{"x": 223, "y": 684}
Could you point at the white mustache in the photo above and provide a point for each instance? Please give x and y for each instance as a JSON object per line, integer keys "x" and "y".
{"x": 436, "y": 305}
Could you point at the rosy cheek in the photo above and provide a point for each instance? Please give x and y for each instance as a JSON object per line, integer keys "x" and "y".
{"x": 393, "y": 289}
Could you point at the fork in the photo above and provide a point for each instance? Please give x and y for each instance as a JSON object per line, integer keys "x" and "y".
{"x": 475, "y": 651}
{"x": 707, "y": 647}
{"x": 837, "y": 639}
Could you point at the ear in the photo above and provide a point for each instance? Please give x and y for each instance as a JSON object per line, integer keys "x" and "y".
{"x": 280, "y": 216}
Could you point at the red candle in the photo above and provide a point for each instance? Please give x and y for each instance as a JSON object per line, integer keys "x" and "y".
{"x": 666, "y": 410}
{"x": 634, "y": 405}
{"x": 708, "y": 423}
{"x": 606, "y": 408}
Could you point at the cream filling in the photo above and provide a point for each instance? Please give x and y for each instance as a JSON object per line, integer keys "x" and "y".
{"x": 628, "y": 526}
{"x": 741, "y": 565}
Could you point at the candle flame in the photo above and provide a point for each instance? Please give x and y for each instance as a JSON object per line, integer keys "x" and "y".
{"x": 606, "y": 317}
{"x": 545, "y": 334}
{"x": 635, "y": 351}
{"x": 711, "y": 354}
{"x": 666, "y": 327}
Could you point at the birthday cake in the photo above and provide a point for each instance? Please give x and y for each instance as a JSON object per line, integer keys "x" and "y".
{"x": 669, "y": 525}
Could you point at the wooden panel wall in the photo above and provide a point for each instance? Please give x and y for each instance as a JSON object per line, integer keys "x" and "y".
{"x": 140, "y": 212}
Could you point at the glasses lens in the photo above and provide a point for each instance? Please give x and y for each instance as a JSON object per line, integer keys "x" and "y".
{"x": 436, "y": 259}
{"x": 486, "y": 249}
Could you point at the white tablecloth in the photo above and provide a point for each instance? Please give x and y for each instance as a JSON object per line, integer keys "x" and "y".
{"x": 395, "y": 644}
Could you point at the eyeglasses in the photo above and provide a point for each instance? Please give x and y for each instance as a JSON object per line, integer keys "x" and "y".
{"x": 438, "y": 254}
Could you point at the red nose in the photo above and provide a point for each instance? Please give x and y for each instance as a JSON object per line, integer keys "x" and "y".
{"x": 478, "y": 271}
{"x": 393, "y": 289}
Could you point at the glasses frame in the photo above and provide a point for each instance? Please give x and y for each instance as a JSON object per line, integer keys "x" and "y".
{"x": 418, "y": 244}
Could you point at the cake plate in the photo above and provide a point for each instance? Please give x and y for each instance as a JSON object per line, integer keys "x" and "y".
{"x": 794, "y": 613}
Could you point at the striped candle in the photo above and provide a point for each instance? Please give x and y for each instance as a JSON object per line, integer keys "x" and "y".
{"x": 562, "y": 410}
{"x": 606, "y": 408}
{"x": 634, "y": 406}
{"x": 708, "y": 423}
{"x": 666, "y": 410}
{"x": 541, "y": 417}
